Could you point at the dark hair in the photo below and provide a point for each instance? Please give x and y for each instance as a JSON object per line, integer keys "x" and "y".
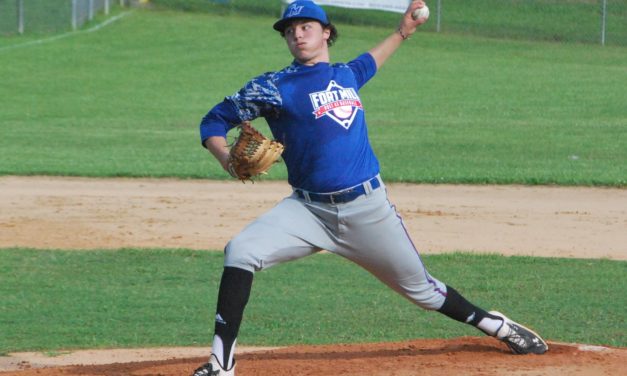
{"x": 334, "y": 34}
{"x": 332, "y": 37}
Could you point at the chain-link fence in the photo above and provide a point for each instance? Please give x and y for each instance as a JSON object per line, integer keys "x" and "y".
{"x": 587, "y": 21}
{"x": 44, "y": 16}
{"x": 582, "y": 21}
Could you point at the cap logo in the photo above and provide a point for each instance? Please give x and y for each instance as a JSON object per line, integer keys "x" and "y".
{"x": 294, "y": 11}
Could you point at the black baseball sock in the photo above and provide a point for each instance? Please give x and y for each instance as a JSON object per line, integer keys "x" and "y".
{"x": 458, "y": 308}
{"x": 234, "y": 292}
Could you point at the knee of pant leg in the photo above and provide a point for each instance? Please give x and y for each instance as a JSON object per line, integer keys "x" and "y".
{"x": 239, "y": 253}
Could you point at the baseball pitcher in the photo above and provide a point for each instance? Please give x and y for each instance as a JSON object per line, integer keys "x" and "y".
{"x": 339, "y": 201}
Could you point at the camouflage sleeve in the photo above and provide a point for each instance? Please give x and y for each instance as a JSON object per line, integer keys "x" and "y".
{"x": 259, "y": 97}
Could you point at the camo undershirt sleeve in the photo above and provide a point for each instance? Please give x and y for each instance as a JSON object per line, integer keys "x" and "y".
{"x": 259, "y": 97}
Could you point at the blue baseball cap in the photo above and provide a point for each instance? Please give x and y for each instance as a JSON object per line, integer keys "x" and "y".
{"x": 301, "y": 9}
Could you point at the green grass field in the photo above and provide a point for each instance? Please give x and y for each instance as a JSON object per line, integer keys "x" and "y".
{"x": 127, "y": 100}
{"x": 448, "y": 108}
{"x": 54, "y": 300}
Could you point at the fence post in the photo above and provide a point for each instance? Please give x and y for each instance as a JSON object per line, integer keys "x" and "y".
{"x": 439, "y": 17}
{"x": 603, "y": 19}
{"x": 20, "y": 16}
{"x": 74, "y": 15}
{"x": 90, "y": 12}
{"x": 106, "y": 5}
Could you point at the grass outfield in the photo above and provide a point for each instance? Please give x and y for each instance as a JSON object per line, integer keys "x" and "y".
{"x": 54, "y": 300}
{"x": 126, "y": 101}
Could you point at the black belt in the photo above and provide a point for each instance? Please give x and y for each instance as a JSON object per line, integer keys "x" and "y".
{"x": 341, "y": 197}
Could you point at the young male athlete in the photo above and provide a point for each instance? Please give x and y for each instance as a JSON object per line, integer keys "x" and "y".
{"x": 339, "y": 201}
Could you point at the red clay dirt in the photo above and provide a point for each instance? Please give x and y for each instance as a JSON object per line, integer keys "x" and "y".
{"x": 79, "y": 213}
{"x": 461, "y": 356}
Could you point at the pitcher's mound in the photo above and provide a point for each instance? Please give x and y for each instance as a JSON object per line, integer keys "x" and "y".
{"x": 460, "y": 356}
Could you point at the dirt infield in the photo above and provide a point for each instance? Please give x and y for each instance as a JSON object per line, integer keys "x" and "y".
{"x": 467, "y": 356}
{"x": 79, "y": 213}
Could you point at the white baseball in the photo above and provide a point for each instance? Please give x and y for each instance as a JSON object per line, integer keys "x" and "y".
{"x": 420, "y": 13}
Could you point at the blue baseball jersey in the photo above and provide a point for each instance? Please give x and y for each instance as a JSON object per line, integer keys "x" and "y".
{"x": 316, "y": 113}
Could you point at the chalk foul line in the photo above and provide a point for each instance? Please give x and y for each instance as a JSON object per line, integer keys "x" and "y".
{"x": 68, "y": 34}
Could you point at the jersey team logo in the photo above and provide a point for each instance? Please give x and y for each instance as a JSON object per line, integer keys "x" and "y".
{"x": 338, "y": 103}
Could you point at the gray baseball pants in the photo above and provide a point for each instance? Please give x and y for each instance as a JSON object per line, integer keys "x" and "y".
{"x": 367, "y": 231}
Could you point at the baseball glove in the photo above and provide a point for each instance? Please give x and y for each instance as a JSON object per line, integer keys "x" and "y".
{"x": 252, "y": 153}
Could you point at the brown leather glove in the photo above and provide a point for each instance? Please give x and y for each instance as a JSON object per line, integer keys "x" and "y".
{"x": 252, "y": 153}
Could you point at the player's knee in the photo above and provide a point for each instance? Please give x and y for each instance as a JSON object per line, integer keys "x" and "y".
{"x": 239, "y": 253}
